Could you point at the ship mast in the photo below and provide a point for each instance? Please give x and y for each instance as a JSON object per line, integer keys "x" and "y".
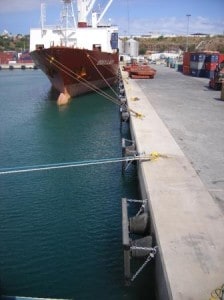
{"x": 68, "y": 18}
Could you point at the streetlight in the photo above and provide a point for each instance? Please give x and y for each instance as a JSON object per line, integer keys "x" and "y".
{"x": 188, "y": 17}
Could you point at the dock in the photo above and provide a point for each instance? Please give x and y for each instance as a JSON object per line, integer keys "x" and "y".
{"x": 17, "y": 66}
{"x": 184, "y": 184}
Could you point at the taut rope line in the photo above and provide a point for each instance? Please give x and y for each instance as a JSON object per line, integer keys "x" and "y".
{"x": 85, "y": 82}
{"x": 15, "y": 170}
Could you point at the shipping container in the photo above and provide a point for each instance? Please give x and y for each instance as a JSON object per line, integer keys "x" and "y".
{"x": 197, "y": 72}
{"x": 209, "y": 74}
{"x": 25, "y": 61}
{"x": 221, "y": 57}
{"x": 197, "y": 65}
{"x": 22, "y": 61}
{"x": 7, "y": 56}
{"x": 202, "y": 64}
{"x": 186, "y": 59}
{"x": 211, "y": 66}
{"x": 200, "y": 57}
{"x": 186, "y": 70}
{"x": 202, "y": 73}
{"x": 212, "y": 58}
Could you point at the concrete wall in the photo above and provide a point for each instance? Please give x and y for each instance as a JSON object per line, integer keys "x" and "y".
{"x": 162, "y": 284}
{"x": 186, "y": 222}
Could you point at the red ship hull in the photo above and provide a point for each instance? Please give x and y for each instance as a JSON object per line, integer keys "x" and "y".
{"x": 73, "y": 71}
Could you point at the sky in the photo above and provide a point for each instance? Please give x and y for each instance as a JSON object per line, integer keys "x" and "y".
{"x": 133, "y": 17}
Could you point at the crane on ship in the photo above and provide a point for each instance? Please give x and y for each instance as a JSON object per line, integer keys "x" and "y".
{"x": 84, "y": 8}
{"x": 68, "y": 23}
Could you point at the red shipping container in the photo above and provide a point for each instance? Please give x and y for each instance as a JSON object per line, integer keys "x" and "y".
{"x": 186, "y": 70}
{"x": 21, "y": 61}
{"x": 186, "y": 59}
{"x": 210, "y": 66}
{"x": 221, "y": 57}
{"x": 4, "y": 58}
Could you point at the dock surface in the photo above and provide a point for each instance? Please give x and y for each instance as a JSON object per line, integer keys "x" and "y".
{"x": 182, "y": 122}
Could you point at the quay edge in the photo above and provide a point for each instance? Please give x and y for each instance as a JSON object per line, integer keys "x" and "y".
{"x": 17, "y": 66}
{"x": 186, "y": 222}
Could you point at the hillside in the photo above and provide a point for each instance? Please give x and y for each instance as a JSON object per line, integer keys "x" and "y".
{"x": 162, "y": 44}
{"x": 14, "y": 43}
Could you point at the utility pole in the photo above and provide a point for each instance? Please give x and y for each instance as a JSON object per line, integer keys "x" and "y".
{"x": 188, "y": 18}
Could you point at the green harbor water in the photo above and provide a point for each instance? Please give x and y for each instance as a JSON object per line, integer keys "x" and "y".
{"x": 60, "y": 230}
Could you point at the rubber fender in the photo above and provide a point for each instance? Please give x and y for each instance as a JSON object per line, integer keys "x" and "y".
{"x": 145, "y": 242}
{"x": 139, "y": 224}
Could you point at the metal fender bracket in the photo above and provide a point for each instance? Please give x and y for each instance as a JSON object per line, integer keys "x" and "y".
{"x": 140, "y": 247}
{"x": 128, "y": 150}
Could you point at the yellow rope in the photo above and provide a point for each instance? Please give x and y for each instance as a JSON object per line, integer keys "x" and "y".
{"x": 135, "y": 99}
{"x": 85, "y": 82}
{"x": 154, "y": 156}
{"x": 80, "y": 79}
{"x": 101, "y": 75}
{"x": 137, "y": 115}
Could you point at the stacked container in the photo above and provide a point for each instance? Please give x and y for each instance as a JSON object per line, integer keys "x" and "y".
{"x": 211, "y": 63}
{"x": 201, "y": 64}
{"x": 221, "y": 58}
{"x": 186, "y": 63}
{"x": 197, "y": 64}
{"x": 7, "y": 56}
{"x": 25, "y": 57}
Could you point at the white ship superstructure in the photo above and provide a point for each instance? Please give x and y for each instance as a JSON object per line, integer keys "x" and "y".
{"x": 77, "y": 34}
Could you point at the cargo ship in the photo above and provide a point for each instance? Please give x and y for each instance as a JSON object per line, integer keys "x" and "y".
{"x": 77, "y": 56}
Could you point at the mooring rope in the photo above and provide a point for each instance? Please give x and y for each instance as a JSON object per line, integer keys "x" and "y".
{"x": 52, "y": 60}
{"x": 101, "y": 75}
{"x": 54, "y": 166}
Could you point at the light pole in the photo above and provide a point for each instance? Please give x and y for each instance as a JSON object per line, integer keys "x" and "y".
{"x": 188, "y": 17}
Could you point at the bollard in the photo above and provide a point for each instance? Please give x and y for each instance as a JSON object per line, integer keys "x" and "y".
{"x": 123, "y": 100}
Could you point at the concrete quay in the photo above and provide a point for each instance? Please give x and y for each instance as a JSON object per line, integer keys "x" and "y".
{"x": 181, "y": 121}
{"x": 15, "y": 66}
